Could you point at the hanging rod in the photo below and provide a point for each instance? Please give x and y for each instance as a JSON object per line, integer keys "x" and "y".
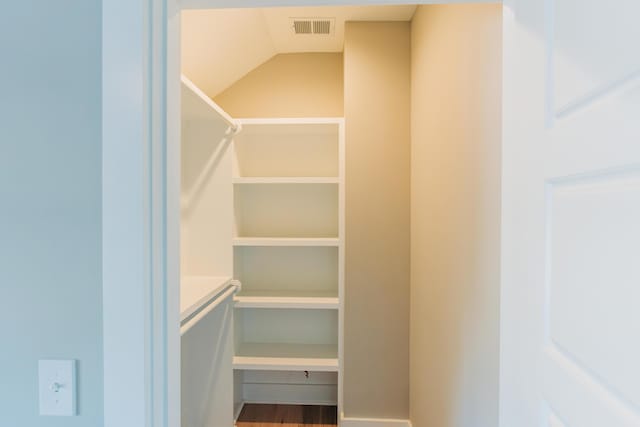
{"x": 233, "y": 126}
{"x": 233, "y": 288}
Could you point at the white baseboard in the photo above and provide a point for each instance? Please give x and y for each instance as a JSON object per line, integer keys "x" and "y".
{"x": 372, "y": 422}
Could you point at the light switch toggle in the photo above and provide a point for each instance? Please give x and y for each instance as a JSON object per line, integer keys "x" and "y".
{"x": 57, "y": 381}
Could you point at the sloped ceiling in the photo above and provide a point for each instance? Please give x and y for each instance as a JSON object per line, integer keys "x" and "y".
{"x": 220, "y": 46}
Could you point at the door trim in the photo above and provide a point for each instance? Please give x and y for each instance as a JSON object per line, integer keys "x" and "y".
{"x": 139, "y": 246}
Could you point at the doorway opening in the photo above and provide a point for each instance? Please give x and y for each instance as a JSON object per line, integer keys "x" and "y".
{"x": 299, "y": 130}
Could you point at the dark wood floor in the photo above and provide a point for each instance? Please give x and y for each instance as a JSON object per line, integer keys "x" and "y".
{"x": 253, "y": 415}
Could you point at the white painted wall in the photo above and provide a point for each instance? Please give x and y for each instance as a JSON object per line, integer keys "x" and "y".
{"x": 50, "y": 204}
{"x": 455, "y": 215}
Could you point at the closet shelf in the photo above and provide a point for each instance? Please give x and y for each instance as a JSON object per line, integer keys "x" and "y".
{"x": 287, "y": 180}
{"x": 287, "y": 357}
{"x": 290, "y": 299}
{"x": 196, "y": 105}
{"x": 197, "y": 290}
{"x": 286, "y": 241}
{"x": 295, "y": 125}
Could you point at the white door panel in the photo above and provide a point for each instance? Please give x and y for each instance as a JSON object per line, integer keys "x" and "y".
{"x": 571, "y": 214}
{"x": 594, "y": 49}
{"x": 554, "y": 421}
{"x": 578, "y": 398}
{"x": 593, "y": 287}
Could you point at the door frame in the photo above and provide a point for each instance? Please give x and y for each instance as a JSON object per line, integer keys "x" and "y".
{"x": 141, "y": 202}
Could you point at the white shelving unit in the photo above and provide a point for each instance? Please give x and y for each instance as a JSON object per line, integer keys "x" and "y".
{"x": 206, "y": 252}
{"x": 288, "y": 184}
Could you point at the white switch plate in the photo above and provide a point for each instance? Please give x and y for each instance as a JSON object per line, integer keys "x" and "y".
{"x": 57, "y": 381}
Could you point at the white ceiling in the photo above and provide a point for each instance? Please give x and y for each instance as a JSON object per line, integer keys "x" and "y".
{"x": 220, "y": 46}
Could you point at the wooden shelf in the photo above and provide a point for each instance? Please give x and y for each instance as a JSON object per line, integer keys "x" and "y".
{"x": 286, "y": 180}
{"x": 286, "y": 241}
{"x": 287, "y": 357}
{"x": 197, "y": 290}
{"x": 287, "y": 299}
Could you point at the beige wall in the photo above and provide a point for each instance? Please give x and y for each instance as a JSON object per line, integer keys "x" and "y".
{"x": 455, "y": 211}
{"x": 377, "y": 65}
{"x": 289, "y": 85}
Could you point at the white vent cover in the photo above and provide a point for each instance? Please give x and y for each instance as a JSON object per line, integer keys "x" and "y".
{"x": 319, "y": 26}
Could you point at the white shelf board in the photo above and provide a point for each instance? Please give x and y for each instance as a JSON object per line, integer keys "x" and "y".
{"x": 286, "y": 241}
{"x": 287, "y": 300}
{"x": 287, "y": 180}
{"x": 196, "y": 105}
{"x": 198, "y": 290}
{"x": 287, "y": 357}
{"x": 292, "y": 121}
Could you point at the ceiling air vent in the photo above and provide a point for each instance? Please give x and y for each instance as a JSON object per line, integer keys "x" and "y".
{"x": 302, "y": 27}
{"x": 320, "y": 26}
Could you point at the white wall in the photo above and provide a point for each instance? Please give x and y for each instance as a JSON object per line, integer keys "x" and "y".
{"x": 50, "y": 204}
{"x": 455, "y": 215}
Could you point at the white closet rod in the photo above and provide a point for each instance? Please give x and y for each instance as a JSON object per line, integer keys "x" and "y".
{"x": 229, "y": 291}
{"x": 234, "y": 126}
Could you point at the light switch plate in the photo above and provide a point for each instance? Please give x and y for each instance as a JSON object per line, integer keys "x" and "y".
{"x": 57, "y": 383}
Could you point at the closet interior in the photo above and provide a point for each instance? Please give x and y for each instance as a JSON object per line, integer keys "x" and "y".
{"x": 263, "y": 219}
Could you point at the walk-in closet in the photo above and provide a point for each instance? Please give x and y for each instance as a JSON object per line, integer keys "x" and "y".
{"x": 297, "y": 196}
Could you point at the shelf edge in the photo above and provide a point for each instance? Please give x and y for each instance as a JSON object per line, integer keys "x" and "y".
{"x": 286, "y": 241}
{"x": 326, "y": 303}
{"x": 285, "y": 364}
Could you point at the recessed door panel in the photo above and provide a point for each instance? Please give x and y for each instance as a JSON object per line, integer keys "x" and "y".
{"x": 594, "y": 280}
